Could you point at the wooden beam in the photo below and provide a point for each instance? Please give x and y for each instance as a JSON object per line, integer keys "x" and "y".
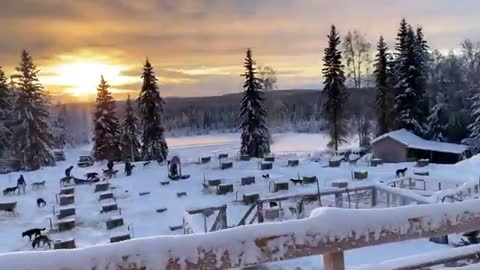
{"x": 334, "y": 261}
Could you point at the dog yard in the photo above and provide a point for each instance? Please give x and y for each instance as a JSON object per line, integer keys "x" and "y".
{"x": 136, "y": 206}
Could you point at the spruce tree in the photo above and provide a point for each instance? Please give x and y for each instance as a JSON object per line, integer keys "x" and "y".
{"x": 255, "y": 136}
{"x": 5, "y": 109}
{"x": 438, "y": 119}
{"x": 384, "y": 98}
{"x": 474, "y": 128}
{"x": 129, "y": 134}
{"x": 335, "y": 95}
{"x": 59, "y": 129}
{"x": 422, "y": 65}
{"x": 150, "y": 104}
{"x": 106, "y": 135}
{"x": 410, "y": 83}
{"x": 32, "y": 137}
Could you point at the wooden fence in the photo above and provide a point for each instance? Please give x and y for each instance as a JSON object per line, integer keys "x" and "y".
{"x": 328, "y": 232}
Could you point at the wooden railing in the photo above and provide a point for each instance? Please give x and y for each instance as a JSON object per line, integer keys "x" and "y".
{"x": 329, "y": 231}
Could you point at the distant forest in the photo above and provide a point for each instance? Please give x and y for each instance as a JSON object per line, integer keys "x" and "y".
{"x": 289, "y": 110}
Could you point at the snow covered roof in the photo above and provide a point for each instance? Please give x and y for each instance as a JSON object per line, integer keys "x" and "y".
{"x": 411, "y": 140}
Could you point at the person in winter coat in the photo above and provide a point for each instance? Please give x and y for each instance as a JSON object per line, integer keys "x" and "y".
{"x": 68, "y": 172}
{"x": 128, "y": 168}
{"x": 110, "y": 165}
{"x": 21, "y": 184}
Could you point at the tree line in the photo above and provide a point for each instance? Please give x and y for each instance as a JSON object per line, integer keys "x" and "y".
{"x": 433, "y": 95}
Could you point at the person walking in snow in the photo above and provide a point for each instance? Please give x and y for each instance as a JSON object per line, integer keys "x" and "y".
{"x": 128, "y": 168}
{"x": 110, "y": 165}
{"x": 68, "y": 172}
{"x": 21, "y": 184}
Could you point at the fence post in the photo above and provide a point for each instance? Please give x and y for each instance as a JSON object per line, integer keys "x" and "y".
{"x": 374, "y": 197}
{"x": 334, "y": 261}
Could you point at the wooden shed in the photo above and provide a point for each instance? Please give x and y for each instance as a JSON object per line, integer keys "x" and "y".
{"x": 404, "y": 146}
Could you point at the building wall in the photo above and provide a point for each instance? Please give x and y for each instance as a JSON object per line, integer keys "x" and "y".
{"x": 389, "y": 150}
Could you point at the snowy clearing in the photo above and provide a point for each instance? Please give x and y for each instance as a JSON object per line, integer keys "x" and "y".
{"x": 139, "y": 210}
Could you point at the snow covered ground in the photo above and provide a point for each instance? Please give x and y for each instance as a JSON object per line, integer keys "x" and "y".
{"x": 139, "y": 212}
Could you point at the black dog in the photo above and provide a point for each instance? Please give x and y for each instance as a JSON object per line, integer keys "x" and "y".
{"x": 10, "y": 190}
{"x": 41, "y": 239}
{"x": 273, "y": 204}
{"x": 92, "y": 175}
{"x": 35, "y": 232}
{"x": 41, "y": 202}
{"x": 146, "y": 163}
{"x": 296, "y": 181}
{"x": 266, "y": 175}
{"x": 401, "y": 172}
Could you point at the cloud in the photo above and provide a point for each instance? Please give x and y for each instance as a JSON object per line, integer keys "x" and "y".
{"x": 200, "y": 44}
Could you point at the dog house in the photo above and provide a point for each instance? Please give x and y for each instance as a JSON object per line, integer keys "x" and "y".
{"x": 226, "y": 165}
{"x": 64, "y": 244}
{"x": 109, "y": 207}
{"x": 66, "y": 199}
{"x": 375, "y": 162}
{"x": 204, "y": 160}
{"x": 266, "y": 166}
{"x": 105, "y": 196}
{"x": 422, "y": 163}
{"x": 101, "y": 187}
{"x": 334, "y": 163}
{"x": 280, "y": 186}
{"x": 269, "y": 159}
{"x": 360, "y": 175}
{"x": 66, "y": 225}
{"x": 293, "y": 162}
{"x": 67, "y": 191}
{"x": 340, "y": 184}
{"x": 248, "y": 180}
{"x": 273, "y": 213}
{"x": 214, "y": 182}
{"x": 250, "y": 198}
{"x": 65, "y": 212}
{"x": 224, "y": 189}
{"x": 114, "y": 222}
{"x": 119, "y": 238}
{"x": 309, "y": 180}
{"x": 220, "y": 156}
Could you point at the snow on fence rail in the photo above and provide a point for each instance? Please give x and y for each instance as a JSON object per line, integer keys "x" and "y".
{"x": 327, "y": 231}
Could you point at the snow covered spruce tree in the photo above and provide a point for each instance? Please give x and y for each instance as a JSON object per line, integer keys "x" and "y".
{"x": 255, "y": 136}
{"x": 106, "y": 136}
{"x": 384, "y": 98}
{"x": 335, "y": 95}
{"x": 5, "y": 109}
{"x": 474, "y": 128}
{"x": 32, "y": 137}
{"x": 150, "y": 104}
{"x": 438, "y": 120}
{"x": 59, "y": 129}
{"x": 411, "y": 105}
{"x": 129, "y": 134}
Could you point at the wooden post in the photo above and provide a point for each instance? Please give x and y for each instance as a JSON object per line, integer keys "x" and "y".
{"x": 374, "y": 197}
{"x": 334, "y": 261}
{"x": 260, "y": 212}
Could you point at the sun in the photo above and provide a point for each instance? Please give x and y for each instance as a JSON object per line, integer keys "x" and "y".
{"x": 83, "y": 76}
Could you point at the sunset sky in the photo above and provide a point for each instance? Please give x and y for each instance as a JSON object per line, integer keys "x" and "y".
{"x": 197, "y": 47}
